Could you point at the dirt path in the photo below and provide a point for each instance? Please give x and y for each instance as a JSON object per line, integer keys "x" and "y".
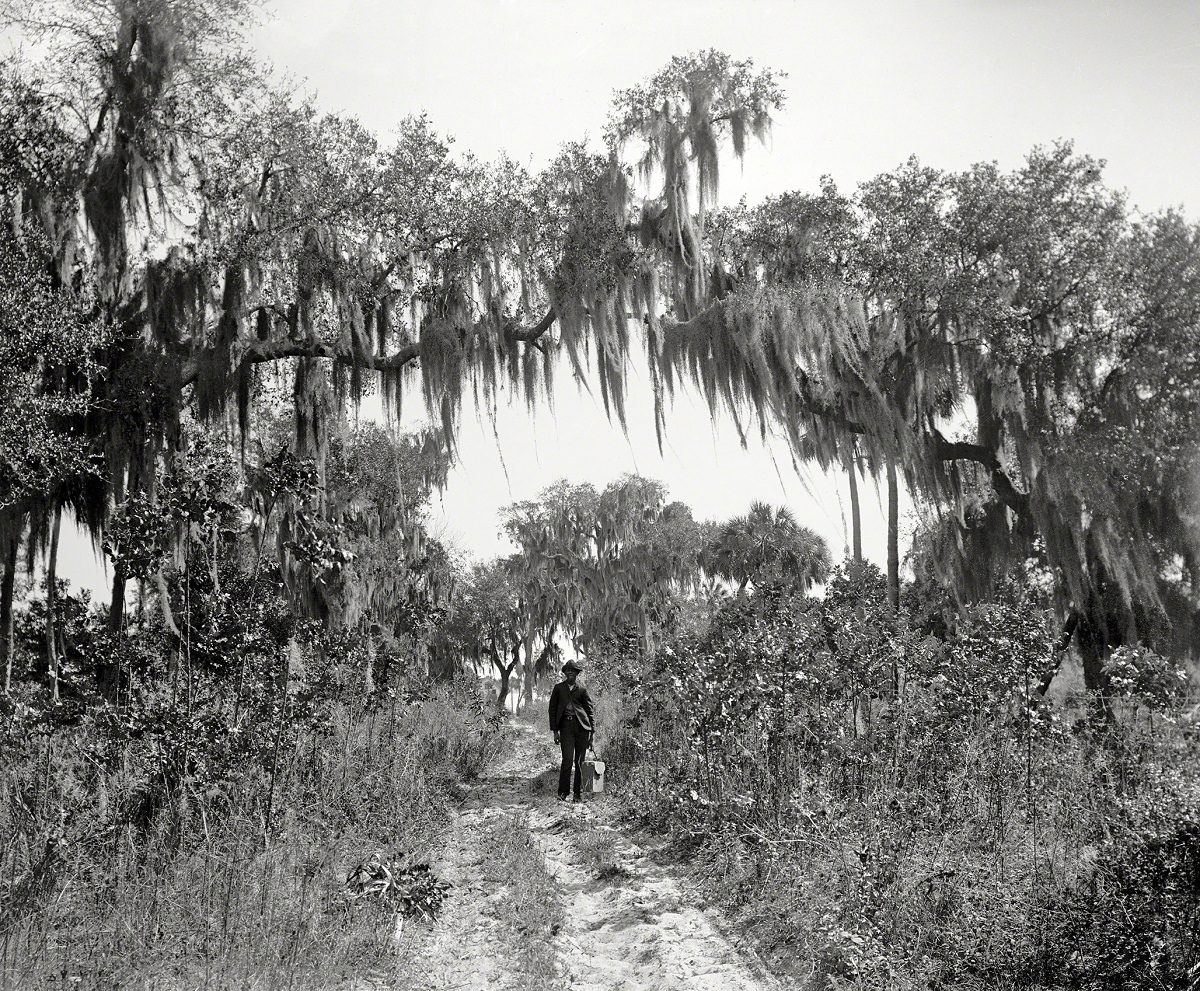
{"x": 633, "y": 930}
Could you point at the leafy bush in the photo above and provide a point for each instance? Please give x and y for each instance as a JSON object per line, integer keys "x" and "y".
{"x": 889, "y": 808}
{"x": 144, "y": 821}
{"x": 1133, "y": 920}
{"x": 1147, "y": 678}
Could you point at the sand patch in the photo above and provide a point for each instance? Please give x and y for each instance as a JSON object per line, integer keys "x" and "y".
{"x": 633, "y": 928}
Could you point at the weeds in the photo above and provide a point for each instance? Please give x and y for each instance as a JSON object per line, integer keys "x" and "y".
{"x": 533, "y": 913}
{"x": 100, "y": 888}
{"x": 597, "y": 849}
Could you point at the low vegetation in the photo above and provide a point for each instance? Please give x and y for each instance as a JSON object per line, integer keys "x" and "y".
{"x": 887, "y": 802}
{"x": 533, "y": 912}
{"x": 598, "y": 850}
{"x": 257, "y": 868}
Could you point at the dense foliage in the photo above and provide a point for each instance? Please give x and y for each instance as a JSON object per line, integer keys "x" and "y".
{"x": 232, "y": 743}
{"x": 1019, "y": 348}
{"x": 885, "y": 806}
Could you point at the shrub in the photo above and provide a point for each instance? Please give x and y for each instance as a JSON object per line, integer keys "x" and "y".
{"x": 142, "y": 836}
{"x": 888, "y": 808}
{"x": 1133, "y": 920}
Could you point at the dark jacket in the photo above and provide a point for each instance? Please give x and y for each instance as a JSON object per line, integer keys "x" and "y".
{"x": 583, "y": 706}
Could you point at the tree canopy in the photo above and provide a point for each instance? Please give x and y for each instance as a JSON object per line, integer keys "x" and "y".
{"x": 1003, "y": 340}
{"x": 1020, "y": 347}
{"x": 604, "y": 561}
{"x": 763, "y": 546}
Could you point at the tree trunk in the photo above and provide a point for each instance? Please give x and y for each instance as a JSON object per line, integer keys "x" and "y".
{"x": 1093, "y": 646}
{"x": 1064, "y": 642}
{"x": 502, "y": 695}
{"x": 855, "y": 512}
{"x": 530, "y": 664}
{"x": 116, "y": 609}
{"x": 893, "y": 536}
{"x": 505, "y": 676}
{"x": 7, "y": 627}
{"x": 52, "y": 659}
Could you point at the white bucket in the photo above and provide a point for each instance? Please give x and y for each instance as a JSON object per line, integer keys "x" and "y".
{"x": 593, "y": 776}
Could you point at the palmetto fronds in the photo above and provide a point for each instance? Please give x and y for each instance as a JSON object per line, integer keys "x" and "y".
{"x": 410, "y": 889}
{"x": 766, "y": 545}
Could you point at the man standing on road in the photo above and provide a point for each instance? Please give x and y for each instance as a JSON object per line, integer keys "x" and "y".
{"x": 572, "y": 720}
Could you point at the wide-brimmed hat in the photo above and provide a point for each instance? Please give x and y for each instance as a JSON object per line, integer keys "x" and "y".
{"x": 572, "y": 666}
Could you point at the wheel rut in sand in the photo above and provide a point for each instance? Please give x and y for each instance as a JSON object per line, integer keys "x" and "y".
{"x": 633, "y": 930}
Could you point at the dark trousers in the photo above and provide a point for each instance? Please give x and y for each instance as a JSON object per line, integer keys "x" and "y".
{"x": 574, "y": 741}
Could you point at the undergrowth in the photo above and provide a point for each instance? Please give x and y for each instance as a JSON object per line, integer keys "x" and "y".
{"x": 119, "y": 870}
{"x": 882, "y": 808}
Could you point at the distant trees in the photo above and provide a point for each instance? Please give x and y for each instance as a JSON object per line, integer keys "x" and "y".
{"x": 766, "y": 545}
{"x": 603, "y": 561}
{"x": 499, "y": 620}
{"x": 613, "y": 563}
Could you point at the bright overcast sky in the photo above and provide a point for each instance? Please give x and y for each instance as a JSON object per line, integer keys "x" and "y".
{"x": 868, "y": 85}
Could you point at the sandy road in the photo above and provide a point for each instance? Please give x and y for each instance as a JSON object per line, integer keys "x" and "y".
{"x": 636, "y": 931}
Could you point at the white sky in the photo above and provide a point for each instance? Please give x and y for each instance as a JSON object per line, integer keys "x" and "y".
{"x": 869, "y": 83}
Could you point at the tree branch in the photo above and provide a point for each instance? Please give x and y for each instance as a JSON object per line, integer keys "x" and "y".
{"x": 257, "y": 352}
{"x": 1008, "y": 493}
{"x": 530, "y": 335}
{"x": 260, "y": 352}
{"x": 966, "y": 451}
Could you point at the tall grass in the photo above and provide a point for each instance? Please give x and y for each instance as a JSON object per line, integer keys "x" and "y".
{"x": 236, "y": 883}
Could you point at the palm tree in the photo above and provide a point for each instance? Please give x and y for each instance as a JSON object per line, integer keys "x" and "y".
{"x": 11, "y": 528}
{"x": 767, "y": 544}
{"x": 893, "y": 536}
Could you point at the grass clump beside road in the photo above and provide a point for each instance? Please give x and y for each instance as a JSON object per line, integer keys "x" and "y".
{"x": 533, "y": 912}
{"x": 128, "y": 862}
{"x": 597, "y": 850}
